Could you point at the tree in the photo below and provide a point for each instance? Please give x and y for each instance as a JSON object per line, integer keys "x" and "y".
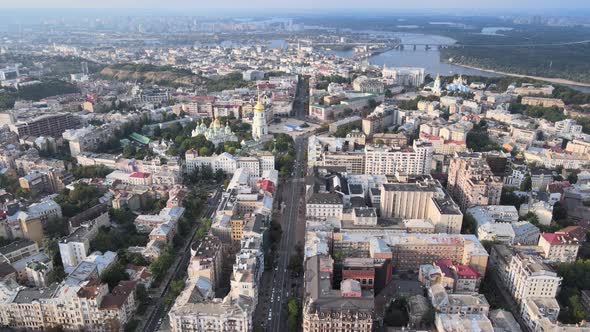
{"x": 160, "y": 266}
{"x": 293, "y": 314}
{"x": 469, "y": 225}
{"x": 508, "y": 197}
{"x": 176, "y": 287}
{"x": 114, "y": 274}
{"x": 56, "y": 228}
{"x": 129, "y": 151}
{"x": 219, "y": 175}
{"x": 371, "y": 103}
{"x": 296, "y": 264}
{"x": 396, "y": 314}
{"x": 559, "y": 212}
{"x": 93, "y": 171}
{"x": 56, "y": 275}
{"x": 572, "y": 177}
{"x": 527, "y": 184}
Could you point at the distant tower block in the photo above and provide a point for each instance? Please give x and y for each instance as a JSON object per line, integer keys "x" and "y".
{"x": 84, "y": 65}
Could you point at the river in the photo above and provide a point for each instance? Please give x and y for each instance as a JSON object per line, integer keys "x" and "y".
{"x": 428, "y": 59}
{"x": 420, "y": 57}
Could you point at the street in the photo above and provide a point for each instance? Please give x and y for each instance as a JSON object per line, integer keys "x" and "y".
{"x": 157, "y": 315}
{"x": 281, "y": 275}
{"x": 281, "y": 290}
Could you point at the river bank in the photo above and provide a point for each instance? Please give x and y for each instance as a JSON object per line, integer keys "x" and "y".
{"x": 546, "y": 79}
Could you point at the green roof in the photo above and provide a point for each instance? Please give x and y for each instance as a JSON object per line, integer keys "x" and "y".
{"x": 139, "y": 138}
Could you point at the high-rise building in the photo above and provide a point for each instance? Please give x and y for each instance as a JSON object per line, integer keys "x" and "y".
{"x": 46, "y": 125}
{"x": 407, "y": 76}
{"x": 408, "y": 161}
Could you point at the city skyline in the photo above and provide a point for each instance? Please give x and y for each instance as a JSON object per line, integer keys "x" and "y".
{"x": 303, "y": 5}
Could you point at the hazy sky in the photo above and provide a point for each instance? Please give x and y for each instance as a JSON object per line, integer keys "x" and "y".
{"x": 300, "y": 4}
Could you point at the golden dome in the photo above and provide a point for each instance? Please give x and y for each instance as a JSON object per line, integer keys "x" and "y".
{"x": 259, "y": 107}
{"x": 216, "y": 123}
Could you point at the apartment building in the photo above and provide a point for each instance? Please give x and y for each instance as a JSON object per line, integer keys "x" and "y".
{"x": 523, "y": 273}
{"x": 87, "y": 138}
{"x": 410, "y": 250}
{"x": 559, "y": 248}
{"x": 197, "y": 309}
{"x": 206, "y": 260}
{"x": 423, "y": 198}
{"x": 322, "y": 206}
{"x": 392, "y": 160}
{"x": 471, "y": 181}
{"x": 326, "y": 309}
{"x": 256, "y": 164}
{"x": 406, "y": 76}
{"x": 45, "y": 125}
{"x": 87, "y": 305}
{"x": 454, "y": 303}
{"x": 18, "y": 250}
{"x": 544, "y": 102}
{"x": 75, "y": 247}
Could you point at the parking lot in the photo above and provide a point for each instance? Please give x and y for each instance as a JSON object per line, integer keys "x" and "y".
{"x": 280, "y": 127}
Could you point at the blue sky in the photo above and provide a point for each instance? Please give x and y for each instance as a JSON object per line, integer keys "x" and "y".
{"x": 301, "y": 4}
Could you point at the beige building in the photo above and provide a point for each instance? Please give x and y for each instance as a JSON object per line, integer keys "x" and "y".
{"x": 409, "y": 251}
{"x": 326, "y": 309}
{"x": 391, "y": 139}
{"x": 471, "y": 181}
{"x": 578, "y": 146}
{"x": 206, "y": 260}
{"x": 544, "y": 102}
{"x": 559, "y": 248}
{"x": 422, "y": 199}
{"x": 88, "y": 306}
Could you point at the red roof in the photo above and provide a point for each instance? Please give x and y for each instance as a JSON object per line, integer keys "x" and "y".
{"x": 352, "y": 274}
{"x": 139, "y": 175}
{"x": 428, "y": 136}
{"x": 555, "y": 238}
{"x": 267, "y": 185}
{"x": 558, "y": 186}
{"x": 463, "y": 271}
{"x": 466, "y": 272}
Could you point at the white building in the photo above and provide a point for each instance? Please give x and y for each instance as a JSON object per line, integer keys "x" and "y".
{"x": 322, "y": 206}
{"x": 530, "y": 277}
{"x": 74, "y": 248}
{"x": 493, "y": 213}
{"x": 216, "y": 133}
{"x": 256, "y": 165}
{"x": 496, "y": 232}
{"x": 406, "y": 76}
{"x": 390, "y": 161}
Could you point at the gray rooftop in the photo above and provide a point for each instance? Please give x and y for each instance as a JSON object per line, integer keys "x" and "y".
{"x": 325, "y": 198}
